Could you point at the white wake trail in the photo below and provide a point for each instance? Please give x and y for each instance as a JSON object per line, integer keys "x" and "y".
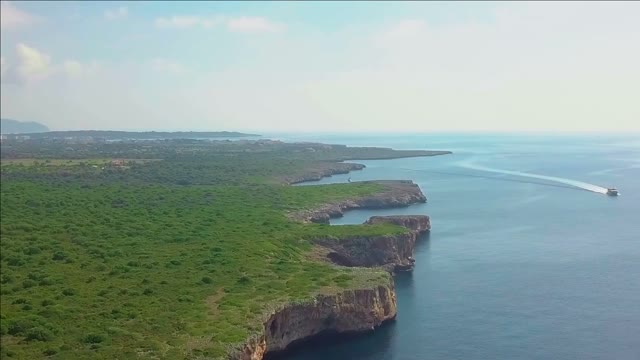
{"x": 578, "y": 184}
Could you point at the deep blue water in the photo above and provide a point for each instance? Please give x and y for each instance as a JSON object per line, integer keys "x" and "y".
{"x": 514, "y": 267}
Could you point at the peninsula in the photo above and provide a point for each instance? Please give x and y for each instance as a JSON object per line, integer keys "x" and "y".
{"x": 182, "y": 249}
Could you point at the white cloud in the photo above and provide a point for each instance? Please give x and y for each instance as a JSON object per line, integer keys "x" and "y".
{"x": 11, "y": 17}
{"x": 526, "y": 66}
{"x": 116, "y": 14}
{"x": 75, "y": 69}
{"x": 253, "y": 24}
{"x": 235, "y": 24}
{"x": 185, "y": 21}
{"x": 167, "y": 66}
{"x": 33, "y": 64}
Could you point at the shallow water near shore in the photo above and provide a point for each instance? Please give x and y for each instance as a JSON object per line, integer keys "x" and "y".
{"x": 514, "y": 267}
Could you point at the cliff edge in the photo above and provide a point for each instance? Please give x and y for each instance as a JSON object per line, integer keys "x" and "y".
{"x": 394, "y": 252}
{"x": 396, "y": 193}
{"x": 352, "y": 310}
{"x": 349, "y": 311}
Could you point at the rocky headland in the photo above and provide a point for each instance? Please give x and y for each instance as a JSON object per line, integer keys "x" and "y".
{"x": 394, "y": 252}
{"x": 396, "y": 193}
{"x": 352, "y": 310}
{"x": 322, "y": 170}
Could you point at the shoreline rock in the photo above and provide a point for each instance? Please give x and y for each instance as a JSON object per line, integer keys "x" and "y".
{"x": 393, "y": 252}
{"x": 329, "y": 169}
{"x": 397, "y": 193}
{"x": 350, "y": 311}
{"x": 355, "y": 310}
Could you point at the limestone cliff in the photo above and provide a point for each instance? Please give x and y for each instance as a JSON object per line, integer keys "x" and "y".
{"x": 394, "y": 252}
{"x": 353, "y": 310}
{"x": 397, "y": 193}
{"x": 350, "y": 311}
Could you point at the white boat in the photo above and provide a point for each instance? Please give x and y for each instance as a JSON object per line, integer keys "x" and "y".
{"x": 612, "y": 192}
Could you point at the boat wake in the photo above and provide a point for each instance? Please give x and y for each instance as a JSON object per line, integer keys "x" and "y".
{"x": 570, "y": 182}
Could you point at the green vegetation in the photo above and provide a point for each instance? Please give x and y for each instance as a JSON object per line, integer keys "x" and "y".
{"x": 179, "y": 258}
{"x": 139, "y": 135}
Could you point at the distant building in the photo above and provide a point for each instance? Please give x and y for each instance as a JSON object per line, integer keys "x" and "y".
{"x": 117, "y": 162}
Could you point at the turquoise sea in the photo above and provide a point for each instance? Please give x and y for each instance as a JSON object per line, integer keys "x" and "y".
{"x": 517, "y": 266}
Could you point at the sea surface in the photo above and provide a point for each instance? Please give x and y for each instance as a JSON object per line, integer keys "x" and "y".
{"x": 517, "y": 266}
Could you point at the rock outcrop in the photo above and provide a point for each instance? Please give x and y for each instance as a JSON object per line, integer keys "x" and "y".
{"x": 419, "y": 223}
{"x": 394, "y": 252}
{"x": 321, "y": 170}
{"x": 353, "y": 310}
{"x": 350, "y": 311}
{"x": 396, "y": 193}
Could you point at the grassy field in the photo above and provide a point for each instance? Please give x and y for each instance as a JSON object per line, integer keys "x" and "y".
{"x": 139, "y": 264}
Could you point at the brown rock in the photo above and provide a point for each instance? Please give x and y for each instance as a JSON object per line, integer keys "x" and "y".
{"x": 350, "y": 311}
{"x": 393, "y": 252}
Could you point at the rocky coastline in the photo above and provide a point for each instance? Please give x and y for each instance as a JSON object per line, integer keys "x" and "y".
{"x": 396, "y": 193}
{"x": 326, "y": 170}
{"x": 393, "y": 252}
{"x": 353, "y": 310}
{"x": 350, "y": 311}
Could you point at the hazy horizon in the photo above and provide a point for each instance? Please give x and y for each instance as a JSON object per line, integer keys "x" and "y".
{"x": 281, "y": 67}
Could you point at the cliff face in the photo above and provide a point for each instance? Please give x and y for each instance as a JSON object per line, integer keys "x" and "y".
{"x": 355, "y": 310}
{"x": 349, "y": 311}
{"x": 393, "y": 252}
{"x": 397, "y": 193}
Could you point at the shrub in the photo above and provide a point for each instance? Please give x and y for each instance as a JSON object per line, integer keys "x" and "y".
{"x": 28, "y": 284}
{"x": 68, "y": 292}
{"x": 93, "y": 339}
{"x": 15, "y": 261}
{"x": 206, "y": 280}
{"x": 39, "y": 334}
{"x": 32, "y": 250}
{"x": 19, "y": 327}
{"x": 49, "y": 352}
{"x": 45, "y": 282}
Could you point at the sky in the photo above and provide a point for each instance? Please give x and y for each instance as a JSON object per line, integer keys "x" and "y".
{"x": 322, "y": 66}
